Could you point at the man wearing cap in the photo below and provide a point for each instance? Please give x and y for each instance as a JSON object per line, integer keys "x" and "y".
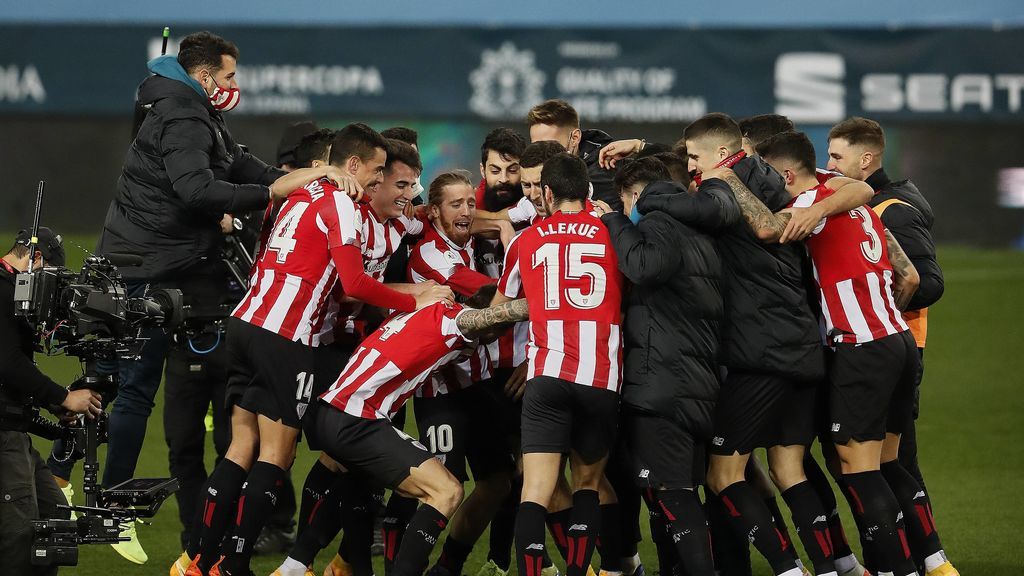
{"x": 27, "y": 490}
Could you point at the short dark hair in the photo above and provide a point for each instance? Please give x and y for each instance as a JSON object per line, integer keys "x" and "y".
{"x": 716, "y": 125}
{"x": 436, "y": 190}
{"x": 678, "y": 169}
{"x": 204, "y": 50}
{"x": 858, "y": 131}
{"x": 554, "y": 112}
{"x": 793, "y": 146}
{"x": 566, "y": 175}
{"x": 403, "y": 152}
{"x": 646, "y": 170}
{"x": 355, "y": 140}
{"x": 312, "y": 147}
{"x": 539, "y": 152}
{"x": 759, "y": 128}
{"x": 482, "y": 297}
{"x": 407, "y": 135}
{"x": 505, "y": 141}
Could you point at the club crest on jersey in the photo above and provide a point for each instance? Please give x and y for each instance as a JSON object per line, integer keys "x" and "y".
{"x": 585, "y": 230}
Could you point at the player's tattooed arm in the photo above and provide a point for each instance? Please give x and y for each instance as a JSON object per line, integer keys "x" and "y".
{"x": 476, "y": 323}
{"x": 766, "y": 225}
{"x": 907, "y": 279}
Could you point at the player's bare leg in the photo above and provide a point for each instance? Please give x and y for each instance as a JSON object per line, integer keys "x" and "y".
{"x": 786, "y": 465}
{"x": 748, "y": 513}
{"x": 223, "y": 488}
{"x": 923, "y": 537}
{"x": 259, "y": 494}
{"x": 439, "y": 494}
{"x": 873, "y": 501}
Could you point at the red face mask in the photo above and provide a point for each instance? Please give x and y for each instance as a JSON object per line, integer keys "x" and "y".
{"x": 224, "y": 99}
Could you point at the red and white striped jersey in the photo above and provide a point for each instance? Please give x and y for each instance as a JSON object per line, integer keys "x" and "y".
{"x": 439, "y": 259}
{"x": 396, "y": 359}
{"x": 569, "y": 273}
{"x": 377, "y": 241}
{"x": 294, "y": 276}
{"x": 852, "y": 269}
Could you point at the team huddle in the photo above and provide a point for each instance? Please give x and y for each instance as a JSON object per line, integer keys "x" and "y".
{"x": 594, "y": 324}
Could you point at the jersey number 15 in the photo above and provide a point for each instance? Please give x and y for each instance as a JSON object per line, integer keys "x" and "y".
{"x": 549, "y": 257}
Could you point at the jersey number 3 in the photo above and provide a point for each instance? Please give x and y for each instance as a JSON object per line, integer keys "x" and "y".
{"x": 872, "y": 247}
{"x": 575, "y": 269}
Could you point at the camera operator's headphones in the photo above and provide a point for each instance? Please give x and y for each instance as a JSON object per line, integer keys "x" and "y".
{"x": 50, "y": 244}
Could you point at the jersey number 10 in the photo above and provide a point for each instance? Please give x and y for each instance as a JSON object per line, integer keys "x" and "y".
{"x": 549, "y": 257}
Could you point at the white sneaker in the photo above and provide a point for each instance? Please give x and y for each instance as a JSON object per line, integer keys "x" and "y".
{"x": 130, "y": 549}
{"x": 68, "y": 493}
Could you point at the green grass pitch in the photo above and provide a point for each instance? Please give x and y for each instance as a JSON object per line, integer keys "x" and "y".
{"x": 971, "y": 431}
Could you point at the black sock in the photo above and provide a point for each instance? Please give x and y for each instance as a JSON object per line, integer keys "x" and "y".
{"x": 780, "y": 524}
{"x": 396, "y": 519}
{"x": 558, "y": 525}
{"x": 530, "y": 538}
{"x": 419, "y": 540}
{"x": 216, "y": 511}
{"x": 812, "y": 525}
{"x": 881, "y": 524}
{"x": 729, "y": 549}
{"x": 584, "y": 527}
{"x": 662, "y": 537}
{"x": 609, "y": 542}
{"x": 917, "y": 511}
{"x": 750, "y": 517}
{"x": 453, "y": 555}
{"x": 255, "y": 504}
{"x": 688, "y": 530}
{"x": 319, "y": 479}
{"x": 629, "y": 498}
{"x": 359, "y": 506}
{"x": 503, "y": 527}
{"x": 322, "y": 524}
{"x": 819, "y": 480}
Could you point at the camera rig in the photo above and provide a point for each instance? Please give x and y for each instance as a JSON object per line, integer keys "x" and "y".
{"x": 89, "y": 314}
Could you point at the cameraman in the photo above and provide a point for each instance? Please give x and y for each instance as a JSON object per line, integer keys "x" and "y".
{"x": 183, "y": 172}
{"x": 27, "y": 490}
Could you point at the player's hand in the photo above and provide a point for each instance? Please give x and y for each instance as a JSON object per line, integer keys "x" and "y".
{"x": 227, "y": 224}
{"x": 802, "y": 222}
{"x": 617, "y": 150}
{"x": 83, "y": 402}
{"x": 433, "y": 295}
{"x": 601, "y": 208}
{"x": 515, "y": 386}
{"x": 344, "y": 181}
{"x": 506, "y": 233}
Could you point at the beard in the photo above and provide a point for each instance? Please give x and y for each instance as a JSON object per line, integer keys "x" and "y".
{"x": 501, "y": 196}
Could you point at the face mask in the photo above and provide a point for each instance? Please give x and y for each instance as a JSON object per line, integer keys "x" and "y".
{"x": 224, "y": 99}
{"x": 634, "y": 215}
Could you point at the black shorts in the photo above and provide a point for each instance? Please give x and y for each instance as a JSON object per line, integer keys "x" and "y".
{"x": 561, "y": 416}
{"x": 330, "y": 360}
{"x": 458, "y": 427}
{"x": 663, "y": 455}
{"x": 761, "y": 410}
{"x": 871, "y": 388}
{"x": 269, "y": 374}
{"x": 370, "y": 447}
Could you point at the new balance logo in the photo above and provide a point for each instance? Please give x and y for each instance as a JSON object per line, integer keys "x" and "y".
{"x": 821, "y": 519}
{"x": 427, "y": 537}
{"x": 645, "y": 473}
{"x": 919, "y": 495}
{"x": 212, "y": 491}
{"x": 581, "y": 527}
{"x": 718, "y": 440}
{"x": 835, "y": 426}
{"x": 535, "y": 547}
{"x": 679, "y": 535}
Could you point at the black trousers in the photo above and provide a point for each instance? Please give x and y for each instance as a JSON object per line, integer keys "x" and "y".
{"x": 192, "y": 382}
{"x": 27, "y": 492}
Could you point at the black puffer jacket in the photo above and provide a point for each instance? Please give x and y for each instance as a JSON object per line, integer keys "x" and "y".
{"x": 911, "y": 226}
{"x": 182, "y": 172}
{"x": 672, "y": 315}
{"x": 769, "y": 326}
{"x": 591, "y": 142}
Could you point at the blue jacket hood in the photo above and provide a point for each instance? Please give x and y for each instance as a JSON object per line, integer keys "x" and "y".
{"x": 168, "y": 67}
